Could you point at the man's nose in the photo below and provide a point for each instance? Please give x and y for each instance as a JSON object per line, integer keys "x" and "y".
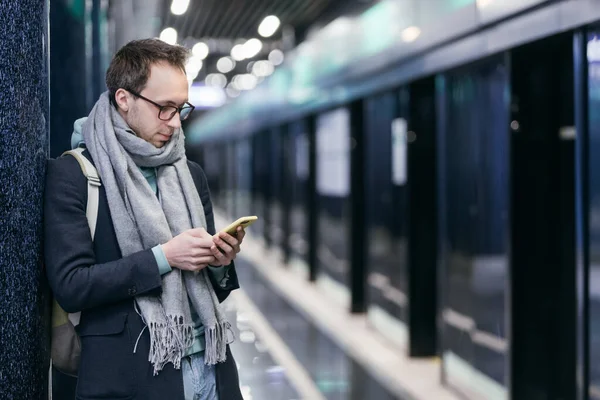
{"x": 175, "y": 122}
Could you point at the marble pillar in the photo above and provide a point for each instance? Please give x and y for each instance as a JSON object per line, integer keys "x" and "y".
{"x": 24, "y": 125}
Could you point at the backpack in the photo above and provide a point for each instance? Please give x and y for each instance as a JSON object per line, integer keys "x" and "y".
{"x": 65, "y": 344}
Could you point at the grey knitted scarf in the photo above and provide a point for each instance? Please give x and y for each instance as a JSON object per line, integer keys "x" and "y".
{"x": 142, "y": 221}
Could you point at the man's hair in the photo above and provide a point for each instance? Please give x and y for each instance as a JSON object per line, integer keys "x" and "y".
{"x": 130, "y": 67}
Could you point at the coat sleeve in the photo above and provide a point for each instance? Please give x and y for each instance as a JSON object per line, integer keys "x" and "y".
{"x": 231, "y": 282}
{"x": 78, "y": 283}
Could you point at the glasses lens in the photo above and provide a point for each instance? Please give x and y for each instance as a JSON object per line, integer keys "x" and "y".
{"x": 167, "y": 112}
{"x": 185, "y": 112}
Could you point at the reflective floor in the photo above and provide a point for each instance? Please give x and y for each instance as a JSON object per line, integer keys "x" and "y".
{"x": 260, "y": 376}
{"x": 336, "y": 375}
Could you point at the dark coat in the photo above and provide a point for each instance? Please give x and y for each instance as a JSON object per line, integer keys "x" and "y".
{"x": 93, "y": 277}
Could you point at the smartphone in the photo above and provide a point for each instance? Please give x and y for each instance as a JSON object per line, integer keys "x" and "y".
{"x": 243, "y": 222}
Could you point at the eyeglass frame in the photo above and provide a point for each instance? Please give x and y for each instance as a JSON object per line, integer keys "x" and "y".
{"x": 161, "y": 107}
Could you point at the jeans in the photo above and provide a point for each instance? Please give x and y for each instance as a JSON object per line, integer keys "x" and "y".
{"x": 199, "y": 380}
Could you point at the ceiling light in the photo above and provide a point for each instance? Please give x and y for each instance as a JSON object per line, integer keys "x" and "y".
{"x": 194, "y": 63}
{"x": 238, "y": 53}
{"x": 225, "y": 64}
{"x": 262, "y": 68}
{"x": 411, "y": 34}
{"x": 235, "y": 83}
{"x": 217, "y": 80}
{"x": 247, "y": 82}
{"x": 252, "y": 47}
{"x": 268, "y": 26}
{"x": 276, "y": 57}
{"x": 200, "y": 50}
{"x": 169, "y": 35}
{"x": 193, "y": 67}
{"x": 179, "y": 7}
{"x": 192, "y": 73}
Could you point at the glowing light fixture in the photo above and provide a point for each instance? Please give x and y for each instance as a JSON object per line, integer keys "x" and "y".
{"x": 169, "y": 35}
{"x": 410, "y": 34}
{"x": 225, "y": 64}
{"x": 194, "y": 63}
{"x": 262, "y": 68}
{"x": 192, "y": 74}
{"x": 276, "y": 57}
{"x": 179, "y": 7}
{"x": 193, "y": 67}
{"x": 200, "y": 50}
{"x": 269, "y": 26}
{"x": 246, "y": 82}
{"x": 216, "y": 80}
{"x": 252, "y": 47}
{"x": 238, "y": 53}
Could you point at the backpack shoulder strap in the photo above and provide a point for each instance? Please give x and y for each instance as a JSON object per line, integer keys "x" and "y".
{"x": 93, "y": 180}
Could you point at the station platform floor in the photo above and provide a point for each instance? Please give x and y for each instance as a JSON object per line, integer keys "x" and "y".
{"x": 297, "y": 341}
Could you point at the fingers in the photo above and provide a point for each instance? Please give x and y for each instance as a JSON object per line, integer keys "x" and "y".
{"x": 221, "y": 248}
{"x": 203, "y": 243}
{"x": 240, "y": 234}
{"x": 225, "y": 238}
{"x": 220, "y": 258}
{"x": 198, "y": 232}
{"x": 204, "y": 260}
{"x": 224, "y": 246}
{"x": 199, "y": 263}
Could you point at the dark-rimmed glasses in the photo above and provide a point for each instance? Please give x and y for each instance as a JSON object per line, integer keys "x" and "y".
{"x": 165, "y": 113}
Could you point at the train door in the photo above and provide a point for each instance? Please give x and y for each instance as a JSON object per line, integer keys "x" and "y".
{"x": 473, "y": 168}
{"x": 260, "y": 183}
{"x": 543, "y": 220}
{"x": 275, "y": 207}
{"x": 422, "y": 216}
{"x": 298, "y": 160}
{"x": 386, "y": 213}
{"x": 333, "y": 207}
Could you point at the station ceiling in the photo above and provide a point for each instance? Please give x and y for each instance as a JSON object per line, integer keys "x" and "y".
{"x": 232, "y": 19}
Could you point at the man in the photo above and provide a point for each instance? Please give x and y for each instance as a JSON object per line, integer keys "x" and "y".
{"x": 149, "y": 285}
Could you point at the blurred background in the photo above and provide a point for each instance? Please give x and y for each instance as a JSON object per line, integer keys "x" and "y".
{"x": 426, "y": 175}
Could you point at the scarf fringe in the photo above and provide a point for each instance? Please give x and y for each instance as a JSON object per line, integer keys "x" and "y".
{"x": 168, "y": 342}
{"x": 216, "y": 343}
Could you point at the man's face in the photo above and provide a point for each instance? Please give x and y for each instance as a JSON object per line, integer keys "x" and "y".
{"x": 167, "y": 85}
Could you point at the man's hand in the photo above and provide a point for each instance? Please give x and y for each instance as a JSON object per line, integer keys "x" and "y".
{"x": 190, "y": 250}
{"x": 226, "y": 247}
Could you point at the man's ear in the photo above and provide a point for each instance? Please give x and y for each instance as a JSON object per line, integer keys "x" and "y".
{"x": 122, "y": 99}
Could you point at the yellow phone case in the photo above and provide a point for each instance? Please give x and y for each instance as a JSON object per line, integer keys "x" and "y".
{"x": 243, "y": 222}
